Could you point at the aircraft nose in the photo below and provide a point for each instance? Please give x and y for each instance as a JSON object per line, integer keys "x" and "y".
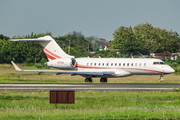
{"x": 170, "y": 70}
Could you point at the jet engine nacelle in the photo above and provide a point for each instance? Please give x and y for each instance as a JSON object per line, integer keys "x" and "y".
{"x": 62, "y": 63}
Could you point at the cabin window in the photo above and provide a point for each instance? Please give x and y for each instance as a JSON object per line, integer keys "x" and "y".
{"x": 131, "y": 64}
{"x": 94, "y": 64}
{"x": 107, "y": 64}
{"x": 91, "y": 64}
{"x": 136, "y": 64}
{"x": 139, "y": 64}
{"x": 127, "y": 64}
{"x": 103, "y": 64}
{"x": 123, "y": 64}
{"x": 99, "y": 64}
{"x": 115, "y": 64}
{"x": 144, "y": 64}
{"x": 87, "y": 64}
{"x": 119, "y": 64}
{"x": 111, "y": 64}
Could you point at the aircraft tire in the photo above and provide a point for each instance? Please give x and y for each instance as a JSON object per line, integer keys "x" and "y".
{"x": 90, "y": 80}
{"x": 86, "y": 80}
{"x": 102, "y": 80}
{"x": 105, "y": 80}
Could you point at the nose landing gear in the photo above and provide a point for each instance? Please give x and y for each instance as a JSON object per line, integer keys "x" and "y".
{"x": 161, "y": 78}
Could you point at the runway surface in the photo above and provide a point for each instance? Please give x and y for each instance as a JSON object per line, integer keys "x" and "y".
{"x": 90, "y": 86}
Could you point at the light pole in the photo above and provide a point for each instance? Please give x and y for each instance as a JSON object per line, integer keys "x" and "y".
{"x": 69, "y": 47}
{"x": 88, "y": 47}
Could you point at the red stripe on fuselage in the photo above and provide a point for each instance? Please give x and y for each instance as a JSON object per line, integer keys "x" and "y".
{"x": 145, "y": 70}
{"x": 93, "y": 67}
{"x": 50, "y": 53}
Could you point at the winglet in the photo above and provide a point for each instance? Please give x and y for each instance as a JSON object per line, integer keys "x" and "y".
{"x": 15, "y": 66}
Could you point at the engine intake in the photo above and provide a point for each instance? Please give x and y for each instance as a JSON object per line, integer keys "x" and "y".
{"x": 73, "y": 62}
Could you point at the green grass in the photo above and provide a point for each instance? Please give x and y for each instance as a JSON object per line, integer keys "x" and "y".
{"x": 92, "y": 105}
{"x": 88, "y": 104}
{"x": 9, "y": 75}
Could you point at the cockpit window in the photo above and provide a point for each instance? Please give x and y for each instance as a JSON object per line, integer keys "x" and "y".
{"x": 156, "y": 63}
{"x": 162, "y": 63}
{"x": 159, "y": 63}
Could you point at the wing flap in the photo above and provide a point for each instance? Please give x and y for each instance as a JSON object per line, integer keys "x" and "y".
{"x": 62, "y": 72}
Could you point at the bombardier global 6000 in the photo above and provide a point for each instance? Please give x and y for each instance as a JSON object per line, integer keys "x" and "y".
{"x": 96, "y": 67}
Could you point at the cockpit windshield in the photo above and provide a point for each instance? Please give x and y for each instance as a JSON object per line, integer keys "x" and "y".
{"x": 159, "y": 63}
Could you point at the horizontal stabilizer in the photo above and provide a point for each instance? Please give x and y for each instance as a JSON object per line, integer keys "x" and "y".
{"x": 40, "y": 40}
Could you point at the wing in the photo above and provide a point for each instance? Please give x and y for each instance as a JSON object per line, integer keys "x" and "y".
{"x": 61, "y": 72}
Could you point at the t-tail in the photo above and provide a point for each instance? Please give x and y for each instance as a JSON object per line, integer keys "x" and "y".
{"x": 51, "y": 48}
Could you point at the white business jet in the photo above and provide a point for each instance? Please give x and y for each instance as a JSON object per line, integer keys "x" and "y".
{"x": 96, "y": 67}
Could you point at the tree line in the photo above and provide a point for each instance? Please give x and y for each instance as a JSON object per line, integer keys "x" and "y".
{"x": 143, "y": 38}
{"x": 146, "y": 39}
{"x": 32, "y": 52}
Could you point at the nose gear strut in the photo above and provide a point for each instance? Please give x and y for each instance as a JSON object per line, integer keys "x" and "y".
{"x": 161, "y": 78}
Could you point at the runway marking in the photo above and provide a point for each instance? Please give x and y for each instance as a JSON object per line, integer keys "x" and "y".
{"x": 91, "y": 88}
{"x": 36, "y": 85}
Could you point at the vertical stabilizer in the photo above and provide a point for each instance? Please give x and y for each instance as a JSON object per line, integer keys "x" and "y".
{"x": 51, "y": 48}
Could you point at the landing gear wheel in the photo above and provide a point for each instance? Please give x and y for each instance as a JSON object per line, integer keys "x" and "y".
{"x": 101, "y": 80}
{"x": 104, "y": 80}
{"x": 88, "y": 80}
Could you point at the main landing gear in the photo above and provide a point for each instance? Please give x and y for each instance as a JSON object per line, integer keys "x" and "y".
{"x": 102, "y": 80}
{"x": 161, "y": 78}
{"x": 88, "y": 80}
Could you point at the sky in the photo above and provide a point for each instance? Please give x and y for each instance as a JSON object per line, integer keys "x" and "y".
{"x": 98, "y": 18}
